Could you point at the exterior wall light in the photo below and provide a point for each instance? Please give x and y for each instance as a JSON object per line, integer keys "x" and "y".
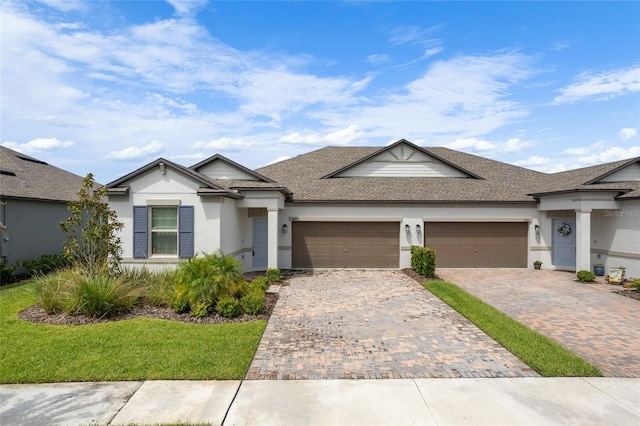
{"x": 284, "y": 228}
{"x": 407, "y": 229}
{"x": 537, "y": 229}
{"x": 418, "y": 229}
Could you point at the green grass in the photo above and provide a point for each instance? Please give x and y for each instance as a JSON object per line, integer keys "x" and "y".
{"x": 536, "y": 350}
{"x": 138, "y": 349}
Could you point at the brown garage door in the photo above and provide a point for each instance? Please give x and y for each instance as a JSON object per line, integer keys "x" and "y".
{"x": 345, "y": 245}
{"x": 478, "y": 245}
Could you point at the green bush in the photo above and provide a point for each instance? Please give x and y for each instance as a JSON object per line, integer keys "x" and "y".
{"x": 239, "y": 289}
{"x": 5, "y": 272}
{"x": 45, "y": 264}
{"x": 208, "y": 278}
{"x": 102, "y": 295}
{"x": 229, "y": 307}
{"x": 160, "y": 287}
{"x": 53, "y": 291}
{"x": 253, "y": 302}
{"x": 636, "y": 284}
{"x": 585, "y": 276}
{"x": 200, "y": 310}
{"x": 261, "y": 284}
{"x": 273, "y": 275}
{"x": 423, "y": 261}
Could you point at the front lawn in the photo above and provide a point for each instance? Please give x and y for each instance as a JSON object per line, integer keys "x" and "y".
{"x": 137, "y": 349}
{"x": 536, "y": 350}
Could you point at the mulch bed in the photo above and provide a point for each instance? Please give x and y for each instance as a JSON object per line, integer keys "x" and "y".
{"x": 633, "y": 294}
{"x": 36, "y": 314}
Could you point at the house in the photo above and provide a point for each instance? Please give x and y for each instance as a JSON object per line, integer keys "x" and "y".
{"x": 342, "y": 207}
{"x": 33, "y": 201}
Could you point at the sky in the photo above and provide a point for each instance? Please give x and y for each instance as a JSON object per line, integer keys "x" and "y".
{"x": 109, "y": 86}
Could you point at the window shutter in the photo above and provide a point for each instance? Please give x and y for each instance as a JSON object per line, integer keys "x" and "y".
{"x": 140, "y": 232}
{"x": 185, "y": 231}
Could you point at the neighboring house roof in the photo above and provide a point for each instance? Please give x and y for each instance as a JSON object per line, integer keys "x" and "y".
{"x": 594, "y": 178}
{"x": 310, "y": 178}
{"x": 22, "y": 176}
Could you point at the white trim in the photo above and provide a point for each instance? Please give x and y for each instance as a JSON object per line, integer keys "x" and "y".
{"x": 477, "y": 219}
{"x": 344, "y": 219}
{"x": 163, "y": 203}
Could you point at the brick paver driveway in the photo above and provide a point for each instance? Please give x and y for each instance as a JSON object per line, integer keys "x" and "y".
{"x": 588, "y": 319}
{"x": 373, "y": 324}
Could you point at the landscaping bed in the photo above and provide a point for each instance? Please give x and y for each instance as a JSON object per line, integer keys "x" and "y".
{"x": 36, "y": 314}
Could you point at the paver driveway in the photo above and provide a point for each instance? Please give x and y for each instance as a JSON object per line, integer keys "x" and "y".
{"x": 373, "y": 324}
{"x": 588, "y": 319}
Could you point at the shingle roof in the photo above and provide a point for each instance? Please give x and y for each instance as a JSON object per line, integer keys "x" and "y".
{"x": 586, "y": 179}
{"x": 500, "y": 182}
{"x": 22, "y": 176}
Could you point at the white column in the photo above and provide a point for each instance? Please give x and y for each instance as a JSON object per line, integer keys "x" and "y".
{"x": 272, "y": 239}
{"x": 583, "y": 239}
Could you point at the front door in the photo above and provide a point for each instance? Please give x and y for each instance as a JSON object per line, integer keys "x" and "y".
{"x": 564, "y": 242}
{"x": 260, "y": 242}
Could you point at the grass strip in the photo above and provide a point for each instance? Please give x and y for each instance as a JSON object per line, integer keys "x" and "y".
{"x": 539, "y": 352}
{"x": 137, "y": 349}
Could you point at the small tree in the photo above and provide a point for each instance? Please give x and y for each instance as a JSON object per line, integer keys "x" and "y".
{"x": 92, "y": 243}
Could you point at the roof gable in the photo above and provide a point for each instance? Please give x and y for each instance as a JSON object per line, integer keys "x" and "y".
{"x": 402, "y": 159}
{"x": 220, "y": 167}
{"x": 628, "y": 172}
{"x": 119, "y": 186}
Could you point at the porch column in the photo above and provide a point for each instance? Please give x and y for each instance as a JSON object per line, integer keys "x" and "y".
{"x": 272, "y": 240}
{"x": 583, "y": 239}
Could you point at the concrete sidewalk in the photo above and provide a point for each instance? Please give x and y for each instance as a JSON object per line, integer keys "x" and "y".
{"x": 482, "y": 401}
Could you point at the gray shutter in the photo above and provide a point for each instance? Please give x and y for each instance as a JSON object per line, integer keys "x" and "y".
{"x": 140, "y": 232}
{"x": 185, "y": 231}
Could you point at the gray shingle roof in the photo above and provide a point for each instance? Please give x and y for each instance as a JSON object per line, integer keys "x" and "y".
{"x": 22, "y": 176}
{"x": 500, "y": 182}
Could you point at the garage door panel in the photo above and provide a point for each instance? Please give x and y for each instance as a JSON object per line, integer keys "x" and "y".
{"x": 345, "y": 244}
{"x": 478, "y": 245}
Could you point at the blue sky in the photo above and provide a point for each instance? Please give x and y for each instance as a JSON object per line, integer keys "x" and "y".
{"x": 106, "y": 87}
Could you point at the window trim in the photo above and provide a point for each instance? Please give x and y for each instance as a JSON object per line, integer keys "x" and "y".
{"x": 175, "y": 230}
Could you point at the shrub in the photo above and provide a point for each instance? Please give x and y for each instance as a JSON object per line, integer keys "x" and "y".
{"x": 45, "y": 264}
{"x": 239, "y": 289}
{"x": 53, "y": 291}
{"x": 585, "y": 276}
{"x": 261, "y": 284}
{"x": 253, "y": 302}
{"x": 101, "y": 296}
{"x": 208, "y": 278}
{"x": 273, "y": 275}
{"x": 423, "y": 261}
{"x": 160, "y": 287}
{"x": 5, "y": 272}
{"x": 200, "y": 310}
{"x": 229, "y": 307}
{"x": 636, "y": 284}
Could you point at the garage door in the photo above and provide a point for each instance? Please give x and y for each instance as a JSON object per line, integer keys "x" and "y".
{"x": 478, "y": 245}
{"x": 345, "y": 245}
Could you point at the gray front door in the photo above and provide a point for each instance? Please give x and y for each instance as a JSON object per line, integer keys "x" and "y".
{"x": 260, "y": 242}
{"x": 564, "y": 242}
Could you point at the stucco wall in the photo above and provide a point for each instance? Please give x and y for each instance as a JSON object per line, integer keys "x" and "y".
{"x": 32, "y": 229}
{"x": 615, "y": 237}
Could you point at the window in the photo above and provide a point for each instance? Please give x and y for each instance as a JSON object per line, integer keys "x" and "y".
{"x": 164, "y": 231}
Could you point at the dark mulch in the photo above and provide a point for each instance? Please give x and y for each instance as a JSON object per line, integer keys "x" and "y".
{"x": 633, "y": 294}
{"x": 36, "y": 314}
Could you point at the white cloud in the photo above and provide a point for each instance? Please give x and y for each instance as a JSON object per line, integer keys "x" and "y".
{"x": 601, "y": 86}
{"x": 65, "y": 5}
{"x": 187, "y": 7}
{"x": 481, "y": 145}
{"x": 534, "y": 160}
{"x": 412, "y": 34}
{"x": 614, "y": 153}
{"x": 338, "y": 138}
{"x": 224, "y": 143}
{"x": 378, "y": 59}
{"x": 584, "y": 150}
{"x": 628, "y": 133}
{"x": 277, "y": 160}
{"x": 133, "y": 153}
{"x": 38, "y": 145}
